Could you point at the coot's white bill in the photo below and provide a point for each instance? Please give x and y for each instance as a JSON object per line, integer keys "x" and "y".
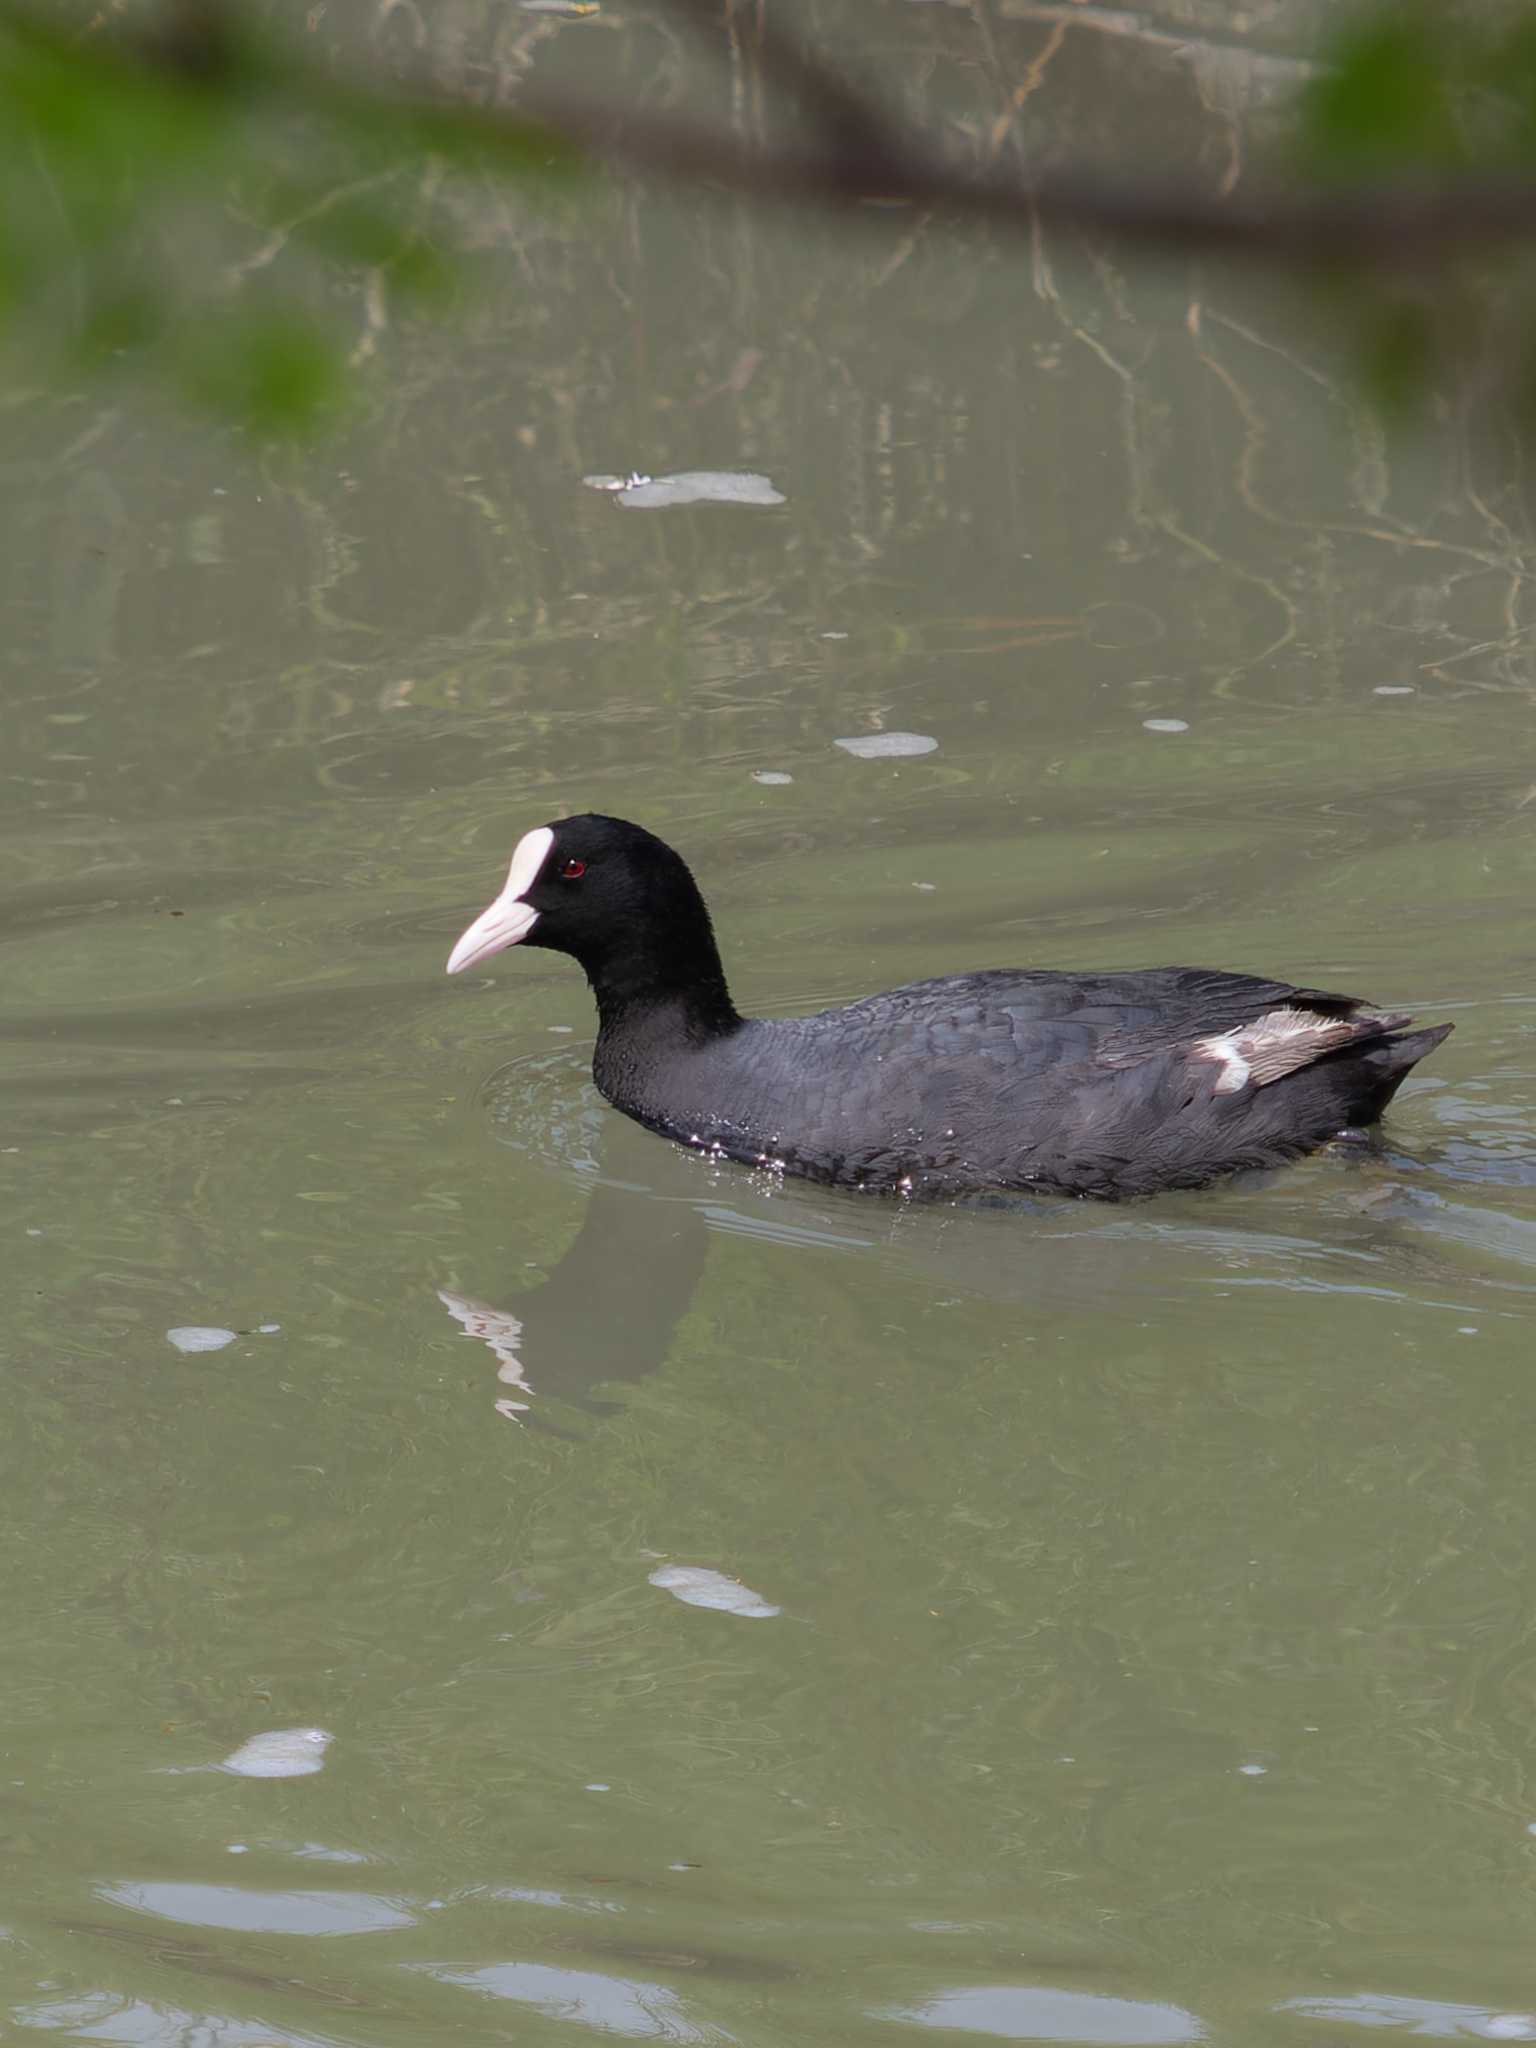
{"x": 508, "y": 919}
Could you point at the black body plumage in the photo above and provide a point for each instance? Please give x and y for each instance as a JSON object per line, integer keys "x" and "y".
{"x": 1106, "y": 1085}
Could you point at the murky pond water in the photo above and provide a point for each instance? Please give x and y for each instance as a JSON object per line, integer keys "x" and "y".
{"x": 742, "y": 1612}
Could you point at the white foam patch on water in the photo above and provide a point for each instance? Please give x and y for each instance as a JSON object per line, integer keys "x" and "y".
{"x": 688, "y": 487}
{"x": 883, "y": 746}
{"x": 698, "y": 1586}
{"x": 280, "y": 1753}
{"x": 591, "y": 2001}
{"x": 1432, "y": 2019}
{"x": 200, "y": 1337}
{"x": 242, "y": 1911}
{"x": 1039, "y": 2012}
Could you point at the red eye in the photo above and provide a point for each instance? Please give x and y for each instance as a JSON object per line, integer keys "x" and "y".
{"x": 573, "y": 870}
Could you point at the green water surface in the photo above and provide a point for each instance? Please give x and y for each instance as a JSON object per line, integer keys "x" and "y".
{"x": 1156, "y": 1648}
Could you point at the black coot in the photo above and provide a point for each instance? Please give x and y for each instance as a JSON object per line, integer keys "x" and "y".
{"x": 1074, "y": 1084}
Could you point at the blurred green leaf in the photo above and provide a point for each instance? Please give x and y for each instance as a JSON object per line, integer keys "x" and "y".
{"x": 1419, "y": 91}
{"x": 1386, "y": 97}
{"x": 19, "y": 263}
{"x": 1512, "y": 85}
{"x": 137, "y": 153}
{"x": 125, "y": 148}
{"x": 90, "y": 102}
{"x": 274, "y": 371}
{"x": 425, "y": 271}
{"x": 354, "y": 228}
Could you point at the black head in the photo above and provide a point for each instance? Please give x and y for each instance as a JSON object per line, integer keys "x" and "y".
{"x": 616, "y": 898}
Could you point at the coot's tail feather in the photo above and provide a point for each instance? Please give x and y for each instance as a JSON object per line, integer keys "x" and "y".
{"x": 1387, "y": 1062}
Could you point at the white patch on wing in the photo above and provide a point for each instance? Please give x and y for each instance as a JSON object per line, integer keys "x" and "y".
{"x": 1273, "y": 1045}
{"x": 1234, "y": 1068}
{"x": 508, "y": 919}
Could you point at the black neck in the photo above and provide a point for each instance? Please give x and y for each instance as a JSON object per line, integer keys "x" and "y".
{"x": 680, "y": 979}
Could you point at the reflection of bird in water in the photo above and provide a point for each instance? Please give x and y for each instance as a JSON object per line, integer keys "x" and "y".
{"x": 585, "y": 1323}
{"x": 501, "y": 1332}
{"x": 610, "y": 1309}
{"x": 1105, "y": 1085}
